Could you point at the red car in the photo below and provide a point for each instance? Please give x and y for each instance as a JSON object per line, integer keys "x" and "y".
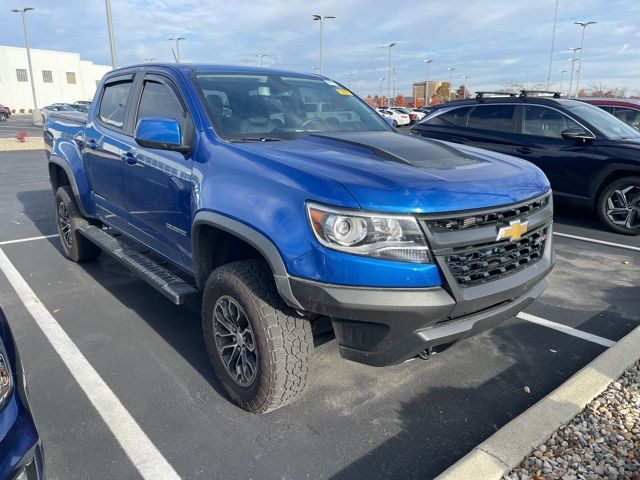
{"x": 625, "y": 109}
{"x": 5, "y": 112}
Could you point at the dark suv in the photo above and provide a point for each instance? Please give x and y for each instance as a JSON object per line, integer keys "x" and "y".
{"x": 588, "y": 155}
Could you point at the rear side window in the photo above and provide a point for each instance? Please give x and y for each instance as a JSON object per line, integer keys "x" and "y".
{"x": 158, "y": 100}
{"x": 495, "y": 118}
{"x": 113, "y": 106}
{"x": 453, "y": 118}
{"x": 628, "y": 115}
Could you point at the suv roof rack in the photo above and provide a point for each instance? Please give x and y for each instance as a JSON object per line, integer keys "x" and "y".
{"x": 539, "y": 93}
{"x": 484, "y": 94}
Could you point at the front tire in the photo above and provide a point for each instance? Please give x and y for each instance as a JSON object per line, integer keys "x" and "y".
{"x": 68, "y": 221}
{"x": 3, "y": 116}
{"x": 619, "y": 206}
{"x": 259, "y": 347}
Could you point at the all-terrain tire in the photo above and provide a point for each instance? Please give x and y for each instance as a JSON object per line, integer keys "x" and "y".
{"x": 283, "y": 340}
{"x": 630, "y": 189}
{"x": 68, "y": 222}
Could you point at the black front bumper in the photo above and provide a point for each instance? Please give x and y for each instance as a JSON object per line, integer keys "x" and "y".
{"x": 385, "y": 326}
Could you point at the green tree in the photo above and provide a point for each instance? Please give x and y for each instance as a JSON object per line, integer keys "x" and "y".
{"x": 442, "y": 92}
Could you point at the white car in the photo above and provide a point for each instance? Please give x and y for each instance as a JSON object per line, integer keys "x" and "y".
{"x": 414, "y": 116}
{"x": 418, "y": 112}
{"x": 399, "y": 118}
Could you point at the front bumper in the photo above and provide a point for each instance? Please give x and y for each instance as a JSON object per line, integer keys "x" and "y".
{"x": 385, "y": 326}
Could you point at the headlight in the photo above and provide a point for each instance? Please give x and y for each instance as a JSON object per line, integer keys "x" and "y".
{"x": 6, "y": 377}
{"x": 392, "y": 237}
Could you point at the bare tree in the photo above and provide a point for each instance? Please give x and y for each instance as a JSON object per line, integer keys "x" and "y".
{"x": 600, "y": 89}
{"x": 516, "y": 87}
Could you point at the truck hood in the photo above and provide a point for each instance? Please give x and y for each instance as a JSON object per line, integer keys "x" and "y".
{"x": 392, "y": 172}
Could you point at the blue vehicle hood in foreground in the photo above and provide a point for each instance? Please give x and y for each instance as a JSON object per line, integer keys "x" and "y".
{"x": 391, "y": 172}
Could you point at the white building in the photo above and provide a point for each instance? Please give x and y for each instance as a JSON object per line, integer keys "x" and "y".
{"x": 59, "y": 77}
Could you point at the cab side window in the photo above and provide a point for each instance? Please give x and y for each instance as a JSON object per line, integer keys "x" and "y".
{"x": 494, "y": 118}
{"x": 158, "y": 100}
{"x": 545, "y": 122}
{"x": 113, "y": 105}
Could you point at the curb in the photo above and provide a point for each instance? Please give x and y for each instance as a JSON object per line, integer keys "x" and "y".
{"x": 506, "y": 448}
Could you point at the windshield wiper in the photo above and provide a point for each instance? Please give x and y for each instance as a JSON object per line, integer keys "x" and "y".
{"x": 255, "y": 139}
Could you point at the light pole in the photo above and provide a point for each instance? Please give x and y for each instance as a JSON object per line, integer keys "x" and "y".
{"x": 426, "y": 84}
{"x": 584, "y": 26}
{"x": 451, "y": 69}
{"x": 321, "y": 19}
{"x": 22, "y": 12}
{"x": 573, "y": 67}
{"x": 381, "y": 91}
{"x": 553, "y": 43}
{"x": 389, "y": 46}
{"x": 562, "y": 72}
{"x": 177, "y": 52}
{"x": 261, "y": 56}
{"x": 393, "y": 79}
{"x": 464, "y": 88}
{"x": 112, "y": 41}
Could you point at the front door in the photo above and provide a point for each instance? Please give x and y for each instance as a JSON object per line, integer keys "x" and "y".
{"x": 158, "y": 182}
{"x": 563, "y": 161}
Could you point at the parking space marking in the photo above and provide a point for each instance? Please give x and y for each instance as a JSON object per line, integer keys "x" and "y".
{"x": 29, "y": 239}
{"x": 144, "y": 455}
{"x": 605, "y": 342}
{"x": 601, "y": 242}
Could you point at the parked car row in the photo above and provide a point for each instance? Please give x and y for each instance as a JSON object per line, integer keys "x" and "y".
{"x": 79, "y": 106}
{"x": 589, "y": 156}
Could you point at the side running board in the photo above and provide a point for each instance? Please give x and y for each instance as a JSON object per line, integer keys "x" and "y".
{"x": 170, "y": 285}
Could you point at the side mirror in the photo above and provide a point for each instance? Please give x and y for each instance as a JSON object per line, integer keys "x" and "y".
{"x": 160, "y": 133}
{"x": 576, "y": 134}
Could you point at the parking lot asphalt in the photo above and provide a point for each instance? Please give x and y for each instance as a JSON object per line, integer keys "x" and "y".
{"x": 19, "y": 123}
{"x": 411, "y": 420}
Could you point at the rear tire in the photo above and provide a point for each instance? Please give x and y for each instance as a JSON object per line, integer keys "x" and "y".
{"x": 259, "y": 347}
{"x": 619, "y": 206}
{"x": 68, "y": 221}
{"x": 3, "y": 116}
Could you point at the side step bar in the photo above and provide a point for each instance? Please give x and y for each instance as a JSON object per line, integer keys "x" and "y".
{"x": 170, "y": 285}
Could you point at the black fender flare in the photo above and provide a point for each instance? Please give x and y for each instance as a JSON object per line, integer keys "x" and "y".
{"x": 599, "y": 181}
{"x": 254, "y": 238}
{"x": 60, "y": 162}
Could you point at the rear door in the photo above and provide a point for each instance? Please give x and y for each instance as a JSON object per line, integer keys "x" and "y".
{"x": 563, "y": 161}
{"x": 492, "y": 127}
{"x": 158, "y": 182}
{"x": 107, "y": 137}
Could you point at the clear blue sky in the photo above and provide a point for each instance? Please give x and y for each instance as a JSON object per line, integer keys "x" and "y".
{"x": 492, "y": 41}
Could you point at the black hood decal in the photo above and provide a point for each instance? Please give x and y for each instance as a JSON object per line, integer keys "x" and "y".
{"x": 396, "y": 147}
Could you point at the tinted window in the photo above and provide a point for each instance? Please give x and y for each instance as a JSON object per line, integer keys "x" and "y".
{"x": 456, "y": 117}
{"x": 628, "y": 115}
{"x": 606, "y": 109}
{"x": 158, "y": 100}
{"x": 495, "y": 118}
{"x": 114, "y": 103}
{"x": 545, "y": 122}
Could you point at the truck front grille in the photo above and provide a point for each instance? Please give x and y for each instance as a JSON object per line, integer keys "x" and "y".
{"x": 484, "y": 263}
{"x": 463, "y": 222}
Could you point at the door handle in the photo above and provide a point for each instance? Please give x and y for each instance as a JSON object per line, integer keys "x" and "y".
{"x": 524, "y": 150}
{"x": 92, "y": 144}
{"x": 130, "y": 158}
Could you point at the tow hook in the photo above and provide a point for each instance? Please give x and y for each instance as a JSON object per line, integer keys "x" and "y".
{"x": 427, "y": 353}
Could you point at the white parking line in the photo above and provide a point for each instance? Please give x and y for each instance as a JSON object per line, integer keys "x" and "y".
{"x": 605, "y": 342}
{"x": 601, "y": 242}
{"x": 29, "y": 239}
{"x": 143, "y": 453}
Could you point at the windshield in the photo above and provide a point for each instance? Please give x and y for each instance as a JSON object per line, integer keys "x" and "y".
{"x": 609, "y": 126}
{"x": 251, "y": 106}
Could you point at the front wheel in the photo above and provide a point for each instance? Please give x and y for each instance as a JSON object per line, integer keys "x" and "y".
{"x": 619, "y": 206}
{"x": 259, "y": 348}
{"x": 3, "y": 116}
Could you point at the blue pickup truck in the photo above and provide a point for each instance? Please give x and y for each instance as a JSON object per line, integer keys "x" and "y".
{"x": 240, "y": 184}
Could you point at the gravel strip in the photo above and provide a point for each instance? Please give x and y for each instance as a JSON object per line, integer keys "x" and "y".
{"x": 11, "y": 144}
{"x": 602, "y": 442}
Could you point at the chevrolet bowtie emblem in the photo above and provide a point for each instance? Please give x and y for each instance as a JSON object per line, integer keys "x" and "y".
{"x": 514, "y": 231}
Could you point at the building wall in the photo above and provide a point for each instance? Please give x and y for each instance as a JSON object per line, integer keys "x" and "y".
{"x": 418, "y": 90}
{"x": 17, "y": 94}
